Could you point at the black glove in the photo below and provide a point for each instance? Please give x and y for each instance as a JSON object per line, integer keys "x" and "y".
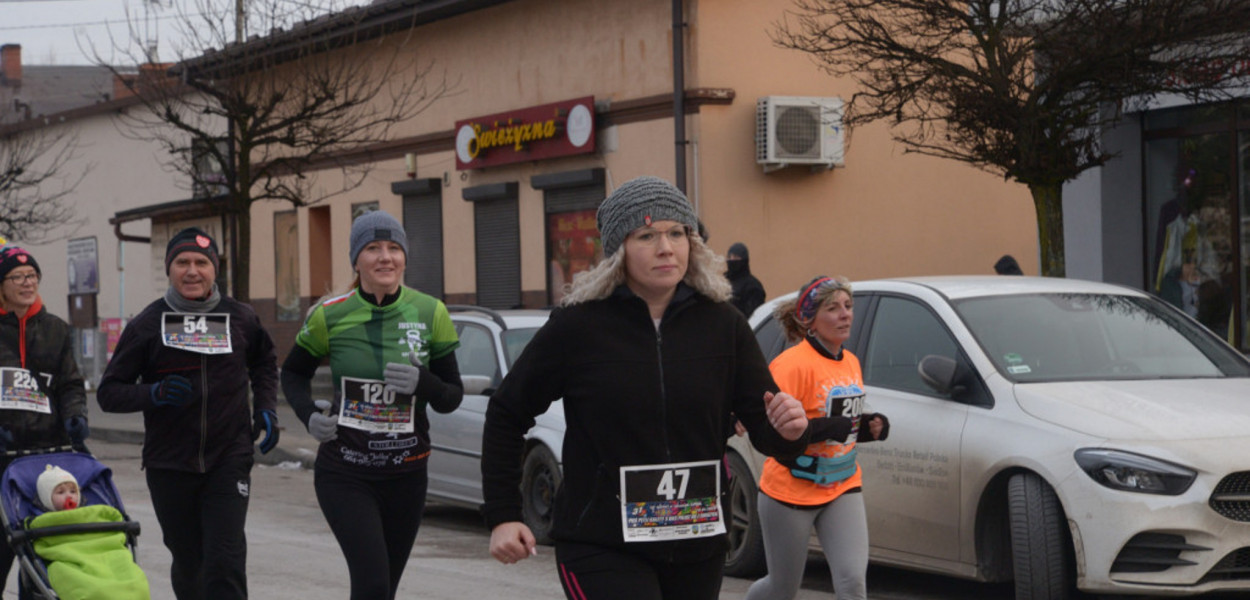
{"x": 173, "y": 390}
{"x": 77, "y": 429}
{"x": 265, "y": 421}
{"x": 6, "y": 439}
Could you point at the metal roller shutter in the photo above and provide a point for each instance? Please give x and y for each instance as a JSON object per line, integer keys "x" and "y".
{"x": 557, "y": 200}
{"x": 498, "y": 244}
{"x": 423, "y": 222}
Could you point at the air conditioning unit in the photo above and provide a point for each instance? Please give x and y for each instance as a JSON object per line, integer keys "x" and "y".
{"x": 797, "y": 130}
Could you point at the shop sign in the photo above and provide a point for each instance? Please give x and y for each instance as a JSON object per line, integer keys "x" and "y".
{"x": 539, "y": 132}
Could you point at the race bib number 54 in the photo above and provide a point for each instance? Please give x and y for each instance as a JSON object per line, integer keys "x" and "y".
{"x": 205, "y": 333}
{"x": 671, "y": 501}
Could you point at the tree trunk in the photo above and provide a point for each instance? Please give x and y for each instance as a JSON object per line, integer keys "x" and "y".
{"x": 242, "y": 272}
{"x": 1048, "y": 200}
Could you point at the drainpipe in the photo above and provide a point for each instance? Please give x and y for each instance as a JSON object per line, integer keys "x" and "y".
{"x": 679, "y": 94}
{"x": 122, "y": 238}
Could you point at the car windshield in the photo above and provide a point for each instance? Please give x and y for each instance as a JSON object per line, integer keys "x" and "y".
{"x": 514, "y": 341}
{"x": 1069, "y": 337}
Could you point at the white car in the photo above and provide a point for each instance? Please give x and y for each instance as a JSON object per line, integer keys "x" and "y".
{"x": 1063, "y": 434}
{"x": 490, "y": 342}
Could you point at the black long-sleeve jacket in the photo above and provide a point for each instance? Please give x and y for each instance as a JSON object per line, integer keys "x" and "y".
{"x": 41, "y": 343}
{"x": 632, "y": 396}
{"x": 217, "y": 423}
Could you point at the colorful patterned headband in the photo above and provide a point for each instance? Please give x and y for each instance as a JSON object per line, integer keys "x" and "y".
{"x": 807, "y": 306}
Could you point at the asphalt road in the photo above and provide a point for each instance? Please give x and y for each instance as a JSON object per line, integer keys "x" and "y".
{"x": 292, "y": 554}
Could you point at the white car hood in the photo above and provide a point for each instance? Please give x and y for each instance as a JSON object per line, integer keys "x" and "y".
{"x": 1164, "y": 409}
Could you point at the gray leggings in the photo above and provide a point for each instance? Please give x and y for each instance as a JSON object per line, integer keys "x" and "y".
{"x": 842, "y": 528}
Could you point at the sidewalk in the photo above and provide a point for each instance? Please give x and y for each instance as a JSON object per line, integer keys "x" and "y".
{"x": 294, "y": 443}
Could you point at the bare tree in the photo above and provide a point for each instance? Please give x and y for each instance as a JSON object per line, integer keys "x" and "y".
{"x": 260, "y": 119}
{"x": 1021, "y": 88}
{"x": 35, "y": 183}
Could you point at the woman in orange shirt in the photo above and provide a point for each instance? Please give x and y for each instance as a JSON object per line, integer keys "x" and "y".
{"x": 821, "y": 487}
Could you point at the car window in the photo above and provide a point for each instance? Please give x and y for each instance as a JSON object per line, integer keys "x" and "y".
{"x": 771, "y": 338}
{"x": 1064, "y": 337}
{"x": 903, "y": 332}
{"x": 515, "y": 341}
{"x": 476, "y": 354}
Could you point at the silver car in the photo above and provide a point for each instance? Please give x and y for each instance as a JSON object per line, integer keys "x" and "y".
{"x": 1063, "y": 434}
{"x": 490, "y": 342}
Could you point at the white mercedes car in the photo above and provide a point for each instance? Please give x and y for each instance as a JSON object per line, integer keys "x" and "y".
{"x": 1063, "y": 434}
{"x": 490, "y": 342}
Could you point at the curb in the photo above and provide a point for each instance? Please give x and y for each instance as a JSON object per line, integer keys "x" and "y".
{"x": 304, "y": 457}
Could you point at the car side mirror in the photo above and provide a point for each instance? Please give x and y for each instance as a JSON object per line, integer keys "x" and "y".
{"x": 942, "y": 373}
{"x": 476, "y": 384}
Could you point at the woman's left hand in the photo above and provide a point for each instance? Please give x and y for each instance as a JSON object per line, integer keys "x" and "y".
{"x": 786, "y": 415}
{"x": 875, "y": 425}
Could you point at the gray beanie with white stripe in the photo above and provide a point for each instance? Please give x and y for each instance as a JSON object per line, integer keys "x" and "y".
{"x": 638, "y": 203}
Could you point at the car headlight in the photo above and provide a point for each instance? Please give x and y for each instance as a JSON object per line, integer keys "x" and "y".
{"x": 1130, "y": 472}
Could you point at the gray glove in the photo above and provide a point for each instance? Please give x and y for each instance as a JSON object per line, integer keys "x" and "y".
{"x": 322, "y": 425}
{"x": 401, "y": 378}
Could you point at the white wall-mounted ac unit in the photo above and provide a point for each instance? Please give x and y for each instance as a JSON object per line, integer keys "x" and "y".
{"x": 798, "y": 130}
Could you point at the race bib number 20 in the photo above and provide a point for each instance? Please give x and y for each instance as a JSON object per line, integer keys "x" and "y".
{"x": 671, "y": 502}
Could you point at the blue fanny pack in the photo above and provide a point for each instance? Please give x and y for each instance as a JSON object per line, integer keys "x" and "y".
{"x": 822, "y": 470}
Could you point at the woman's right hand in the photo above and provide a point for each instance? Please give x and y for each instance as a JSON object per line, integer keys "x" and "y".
{"x": 512, "y": 542}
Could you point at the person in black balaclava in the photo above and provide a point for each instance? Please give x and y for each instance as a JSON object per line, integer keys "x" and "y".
{"x": 748, "y": 291}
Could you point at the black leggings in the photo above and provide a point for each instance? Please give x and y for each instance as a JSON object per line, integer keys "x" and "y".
{"x": 590, "y": 572}
{"x": 202, "y": 517}
{"x": 375, "y": 522}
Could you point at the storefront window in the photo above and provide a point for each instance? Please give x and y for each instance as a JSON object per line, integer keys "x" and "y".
{"x": 573, "y": 245}
{"x": 1190, "y": 237}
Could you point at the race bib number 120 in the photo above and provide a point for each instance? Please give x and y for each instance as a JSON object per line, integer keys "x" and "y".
{"x": 367, "y": 406}
{"x": 671, "y": 502}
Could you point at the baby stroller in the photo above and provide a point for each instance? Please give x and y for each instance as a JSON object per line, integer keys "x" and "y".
{"x": 19, "y": 502}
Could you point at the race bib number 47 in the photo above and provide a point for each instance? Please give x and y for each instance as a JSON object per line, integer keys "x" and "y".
{"x": 204, "y": 333}
{"x": 671, "y": 502}
{"x": 19, "y": 390}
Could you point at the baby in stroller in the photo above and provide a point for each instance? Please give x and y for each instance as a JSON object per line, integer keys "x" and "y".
{"x": 71, "y": 542}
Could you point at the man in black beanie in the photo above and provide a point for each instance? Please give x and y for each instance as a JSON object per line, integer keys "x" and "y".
{"x": 748, "y": 291}
{"x": 186, "y": 362}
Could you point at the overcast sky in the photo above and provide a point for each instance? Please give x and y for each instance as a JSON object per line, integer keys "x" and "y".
{"x": 52, "y": 31}
{"x": 48, "y": 30}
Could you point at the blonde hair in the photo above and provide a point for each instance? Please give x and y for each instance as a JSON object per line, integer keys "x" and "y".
{"x": 704, "y": 272}
{"x": 787, "y": 315}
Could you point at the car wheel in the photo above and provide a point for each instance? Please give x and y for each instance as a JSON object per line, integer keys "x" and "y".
{"x": 1039, "y": 546}
{"x": 746, "y": 542}
{"x": 540, "y": 478}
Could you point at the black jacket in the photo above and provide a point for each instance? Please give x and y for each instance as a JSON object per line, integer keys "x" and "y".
{"x": 632, "y": 396}
{"x": 217, "y": 423}
{"x": 41, "y": 343}
{"x": 748, "y": 291}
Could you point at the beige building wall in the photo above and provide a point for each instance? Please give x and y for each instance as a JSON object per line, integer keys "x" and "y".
{"x": 885, "y": 214}
{"x": 119, "y": 173}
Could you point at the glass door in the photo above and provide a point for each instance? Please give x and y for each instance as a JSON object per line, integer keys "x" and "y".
{"x": 1191, "y": 235}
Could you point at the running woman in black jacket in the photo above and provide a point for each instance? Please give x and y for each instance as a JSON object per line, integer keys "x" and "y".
{"x": 653, "y": 364}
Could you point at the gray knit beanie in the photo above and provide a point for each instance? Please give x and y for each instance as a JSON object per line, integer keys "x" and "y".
{"x": 374, "y": 226}
{"x": 638, "y": 203}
